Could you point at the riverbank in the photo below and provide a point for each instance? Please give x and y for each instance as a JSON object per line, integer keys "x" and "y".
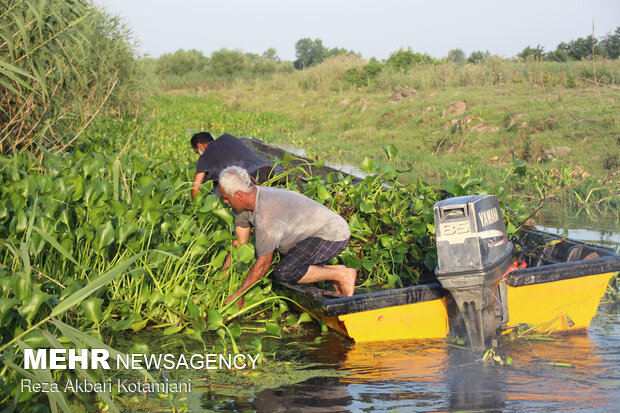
{"x": 566, "y": 136}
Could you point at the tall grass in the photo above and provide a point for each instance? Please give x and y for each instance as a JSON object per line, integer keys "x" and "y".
{"x": 330, "y": 75}
{"x": 61, "y": 64}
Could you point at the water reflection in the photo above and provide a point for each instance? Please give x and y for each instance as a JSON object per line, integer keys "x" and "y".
{"x": 576, "y": 372}
{"x": 584, "y": 224}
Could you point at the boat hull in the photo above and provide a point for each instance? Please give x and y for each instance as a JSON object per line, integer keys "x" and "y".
{"x": 560, "y": 291}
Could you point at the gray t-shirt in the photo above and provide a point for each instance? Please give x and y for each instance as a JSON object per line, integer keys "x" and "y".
{"x": 282, "y": 218}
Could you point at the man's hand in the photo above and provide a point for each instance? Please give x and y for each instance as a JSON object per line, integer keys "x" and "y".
{"x": 198, "y": 180}
{"x": 257, "y": 271}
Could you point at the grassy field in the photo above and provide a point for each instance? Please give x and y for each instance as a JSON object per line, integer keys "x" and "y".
{"x": 443, "y": 121}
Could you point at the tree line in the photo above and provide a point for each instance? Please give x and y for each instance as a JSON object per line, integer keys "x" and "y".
{"x": 578, "y": 49}
{"x": 228, "y": 64}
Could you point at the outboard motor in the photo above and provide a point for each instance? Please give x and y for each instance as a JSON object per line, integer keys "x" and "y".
{"x": 473, "y": 253}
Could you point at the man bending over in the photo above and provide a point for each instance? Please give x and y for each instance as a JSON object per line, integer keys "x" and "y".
{"x": 306, "y": 233}
{"x": 227, "y": 150}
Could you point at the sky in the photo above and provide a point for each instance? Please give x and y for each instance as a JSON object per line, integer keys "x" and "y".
{"x": 374, "y": 28}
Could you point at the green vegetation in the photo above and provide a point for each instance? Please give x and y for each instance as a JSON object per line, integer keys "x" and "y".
{"x": 118, "y": 216}
{"x": 98, "y": 234}
{"x": 190, "y": 68}
{"x": 62, "y": 63}
{"x": 447, "y": 119}
{"x": 312, "y": 52}
{"x": 585, "y": 48}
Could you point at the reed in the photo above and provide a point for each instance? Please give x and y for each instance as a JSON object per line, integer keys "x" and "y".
{"x": 61, "y": 64}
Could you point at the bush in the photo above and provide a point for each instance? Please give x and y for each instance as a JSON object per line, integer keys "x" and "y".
{"x": 365, "y": 75}
{"x": 478, "y": 56}
{"x": 406, "y": 59}
{"x": 180, "y": 63}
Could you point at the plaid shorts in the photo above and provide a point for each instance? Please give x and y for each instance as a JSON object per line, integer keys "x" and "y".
{"x": 310, "y": 251}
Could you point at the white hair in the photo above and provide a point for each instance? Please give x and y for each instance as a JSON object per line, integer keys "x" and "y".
{"x": 235, "y": 178}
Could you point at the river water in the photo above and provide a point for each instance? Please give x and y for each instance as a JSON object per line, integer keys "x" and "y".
{"x": 579, "y": 372}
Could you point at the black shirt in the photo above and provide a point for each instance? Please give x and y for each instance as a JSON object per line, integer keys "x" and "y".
{"x": 227, "y": 151}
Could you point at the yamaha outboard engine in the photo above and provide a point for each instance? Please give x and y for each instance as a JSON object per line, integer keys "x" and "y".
{"x": 473, "y": 253}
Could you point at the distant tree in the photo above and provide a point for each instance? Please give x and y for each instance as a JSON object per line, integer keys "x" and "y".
{"x": 577, "y": 49}
{"x": 405, "y": 59}
{"x": 560, "y": 54}
{"x": 180, "y": 62}
{"x": 339, "y": 52}
{"x": 456, "y": 55}
{"x": 227, "y": 63}
{"x": 308, "y": 52}
{"x": 582, "y": 48}
{"x": 271, "y": 54}
{"x": 536, "y": 52}
{"x": 478, "y": 56}
{"x": 611, "y": 44}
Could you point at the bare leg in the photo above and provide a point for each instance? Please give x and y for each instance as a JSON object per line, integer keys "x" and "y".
{"x": 340, "y": 274}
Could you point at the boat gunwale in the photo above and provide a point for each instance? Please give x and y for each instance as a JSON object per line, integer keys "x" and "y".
{"x": 363, "y": 302}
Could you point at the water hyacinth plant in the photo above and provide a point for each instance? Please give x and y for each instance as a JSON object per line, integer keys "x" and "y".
{"x": 104, "y": 236}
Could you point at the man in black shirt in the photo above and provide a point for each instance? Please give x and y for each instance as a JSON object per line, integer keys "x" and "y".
{"x": 218, "y": 154}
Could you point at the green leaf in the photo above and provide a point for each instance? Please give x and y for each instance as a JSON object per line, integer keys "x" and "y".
{"x": 197, "y": 250}
{"x": 210, "y": 203}
{"x": 6, "y": 304}
{"x": 221, "y": 235}
{"x": 219, "y": 258}
{"x": 36, "y": 339}
{"x": 179, "y": 292}
{"x": 194, "y": 311}
{"x": 224, "y": 215}
{"x": 30, "y": 305}
{"x": 390, "y": 150}
{"x": 245, "y": 253}
{"x": 92, "y": 309}
{"x": 273, "y": 329}
{"x": 171, "y": 301}
{"x": 125, "y": 324}
{"x": 235, "y": 330}
{"x": 304, "y": 318}
{"x": 21, "y": 284}
{"x": 215, "y": 320}
{"x": 367, "y": 165}
{"x": 153, "y": 216}
{"x": 125, "y": 230}
{"x": 367, "y": 207}
{"x": 105, "y": 235}
{"x": 322, "y": 193}
{"x": 172, "y": 330}
{"x": 453, "y": 187}
{"x": 138, "y": 325}
{"x": 287, "y": 158}
{"x": 156, "y": 297}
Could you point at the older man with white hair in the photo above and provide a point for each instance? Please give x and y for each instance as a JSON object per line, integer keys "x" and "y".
{"x": 306, "y": 233}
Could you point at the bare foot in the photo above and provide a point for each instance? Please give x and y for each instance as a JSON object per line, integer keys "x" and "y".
{"x": 348, "y": 284}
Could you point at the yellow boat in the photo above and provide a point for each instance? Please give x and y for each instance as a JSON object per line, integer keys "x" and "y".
{"x": 471, "y": 294}
{"x": 559, "y": 291}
